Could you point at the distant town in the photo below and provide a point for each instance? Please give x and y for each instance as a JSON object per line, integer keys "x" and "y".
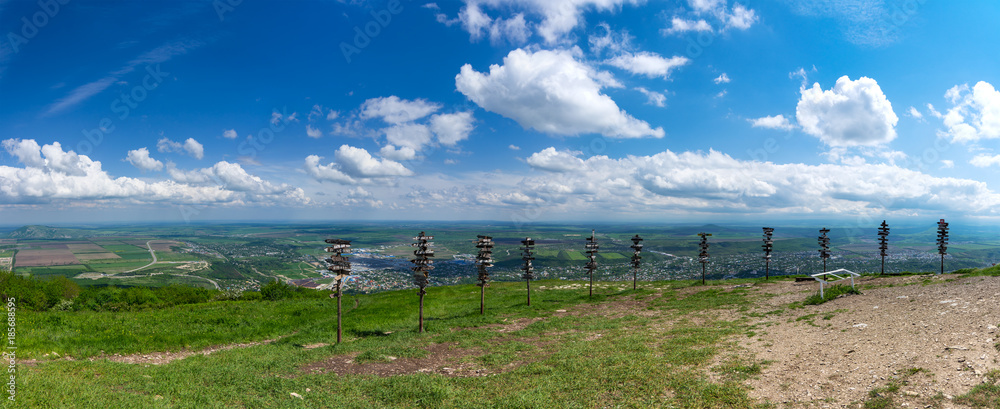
{"x": 243, "y": 257}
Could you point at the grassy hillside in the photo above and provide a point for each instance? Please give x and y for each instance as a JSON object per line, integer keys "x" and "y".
{"x": 668, "y": 344}
{"x": 552, "y": 354}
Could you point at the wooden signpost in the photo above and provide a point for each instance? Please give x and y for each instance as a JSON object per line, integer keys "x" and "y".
{"x": 484, "y": 260}
{"x": 421, "y": 269}
{"x": 529, "y": 269}
{"x": 340, "y": 266}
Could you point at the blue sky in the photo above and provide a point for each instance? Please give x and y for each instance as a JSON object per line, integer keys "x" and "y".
{"x": 510, "y": 110}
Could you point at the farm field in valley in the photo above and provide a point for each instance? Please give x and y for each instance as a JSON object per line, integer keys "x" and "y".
{"x": 243, "y": 256}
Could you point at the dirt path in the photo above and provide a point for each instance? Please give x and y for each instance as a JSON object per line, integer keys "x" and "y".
{"x": 832, "y": 355}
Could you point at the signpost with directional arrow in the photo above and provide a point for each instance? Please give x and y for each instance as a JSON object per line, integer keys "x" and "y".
{"x": 703, "y": 254}
{"x": 592, "y": 258}
{"x": 883, "y": 242}
{"x": 421, "y": 268}
{"x": 636, "y": 258}
{"x": 529, "y": 270}
{"x": 484, "y": 260}
{"x": 340, "y": 266}
{"x": 942, "y": 241}
{"x": 824, "y": 246}
{"x": 768, "y": 246}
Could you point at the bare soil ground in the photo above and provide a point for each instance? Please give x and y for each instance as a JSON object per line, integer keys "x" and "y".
{"x": 443, "y": 359}
{"x": 833, "y": 354}
{"x": 158, "y": 358}
{"x": 54, "y": 246}
{"x": 41, "y": 258}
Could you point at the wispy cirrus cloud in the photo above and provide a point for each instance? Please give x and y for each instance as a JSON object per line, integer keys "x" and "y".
{"x": 157, "y": 55}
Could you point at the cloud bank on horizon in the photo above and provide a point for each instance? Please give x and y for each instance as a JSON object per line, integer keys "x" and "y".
{"x": 498, "y": 109}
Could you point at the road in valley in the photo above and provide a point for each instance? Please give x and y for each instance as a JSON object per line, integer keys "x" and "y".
{"x": 152, "y": 253}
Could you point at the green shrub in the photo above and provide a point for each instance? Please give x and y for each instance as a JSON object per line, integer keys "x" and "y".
{"x": 175, "y": 294}
{"x": 34, "y": 294}
{"x": 276, "y": 290}
{"x": 110, "y": 298}
{"x": 251, "y": 296}
{"x": 229, "y": 294}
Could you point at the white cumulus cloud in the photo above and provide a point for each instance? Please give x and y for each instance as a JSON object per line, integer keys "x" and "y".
{"x": 353, "y": 166}
{"x": 556, "y": 161}
{"x": 852, "y": 113}
{"x": 413, "y": 136}
{"x": 654, "y": 98}
{"x": 679, "y": 25}
{"x": 557, "y": 18}
{"x": 190, "y": 146}
{"x": 985, "y": 161}
{"x": 649, "y": 64}
{"x": 773, "y": 122}
{"x": 313, "y": 132}
{"x": 975, "y": 114}
{"x": 394, "y": 110}
{"x": 452, "y": 128}
{"x": 229, "y": 134}
{"x": 397, "y": 154}
{"x": 713, "y": 182}
{"x": 194, "y": 148}
{"x": 141, "y": 160}
{"x": 552, "y": 92}
{"x": 52, "y": 175}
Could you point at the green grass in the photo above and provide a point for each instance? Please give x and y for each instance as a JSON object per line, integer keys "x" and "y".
{"x": 169, "y": 256}
{"x": 884, "y": 397}
{"x": 830, "y": 293}
{"x": 135, "y": 256}
{"x": 984, "y": 395}
{"x": 53, "y": 270}
{"x": 571, "y": 255}
{"x": 126, "y": 248}
{"x": 558, "y": 360}
{"x": 973, "y": 272}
